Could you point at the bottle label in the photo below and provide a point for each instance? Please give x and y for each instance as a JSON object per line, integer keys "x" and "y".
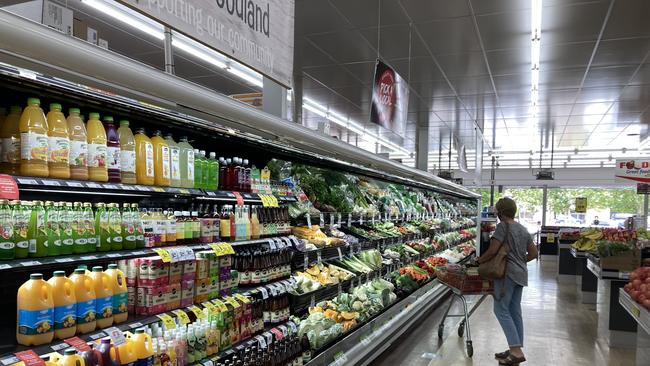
{"x": 68, "y": 241}
{"x": 97, "y": 155}
{"x": 32, "y": 246}
{"x": 64, "y": 316}
{"x": 127, "y": 161}
{"x": 59, "y": 148}
{"x": 85, "y": 311}
{"x": 7, "y": 245}
{"x": 33, "y": 146}
{"x": 175, "y": 163}
{"x": 120, "y": 302}
{"x": 104, "y": 307}
{"x": 114, "y": 157}
{"x": 190, "y": 165}
{"x": 148, "y": 159}
{"x": 78, "y": 153}
{"x": 10, "y": 150}
{"x": 165, "y": 162}
{"x": 41, "y": 225}
{"x": 92, "y": 241}
{"x": 33, "y": 322}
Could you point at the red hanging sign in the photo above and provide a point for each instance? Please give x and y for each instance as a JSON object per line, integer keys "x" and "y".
{"x": 30, "y": 358}
{"x": 8, "y": 187}
{"x": 78, "y": 344}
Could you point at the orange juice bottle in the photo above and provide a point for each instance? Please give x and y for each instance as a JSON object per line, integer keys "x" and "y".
{"x": 70, "y": 358}
{"x": 34, "y": 142}
{"x": 144, "y": 161}
{"x": 97, "y": 149}
{"x": 59, "y": 143}
{"x": 103, "y": 297}
{"x": 120, "y": 293}
{"x": 127, "y": 153}
{"x": 160, "y": 159}
{"x": 84, "y": 291}
{"x": 35, "y": 312}
{"x": 143, "y": 346}
{"x": 65, "y": 305}
{"x": 78, "y": 145}
{"x": 125, "y": 353}
{"x": 10, "y": 134}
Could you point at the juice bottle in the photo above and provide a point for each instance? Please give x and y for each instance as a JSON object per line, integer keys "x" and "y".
{"x": 160, "y": 228}
{"x": 120, "y": 293}
{"x": 127, "y": 153}
{"x": 161, "y": 160}
{"x": 205, "y": 166}
{"x": 103, "y": 297}
{"x": 89, "y": 224}
{"x": 255, "y": 224}
{"x": 78, "y": 145}
{"x": 65, "y": 305}
{"x": 143, "y": 347}
{"x": 53, "y": 233}
{"x": 10, "y": 134}
{"x": 7, "y": 242}
{"x": 37, "y": 231}
{"x": 126, "y": 353}
{"x": 213, "y": 172}
{"x": 113, "y": 154}
{"x": 106, "y": 353}
{"x": 128, "y": 227}
{"x": 70, "y": 358}
{"x": 66, "y": 225}
{"x": 137, "y": 222}
{"x": 35, "y": 310}
{"x": 58, "y": 143}
{"x": 170, "y": 229}
{"x": 91, "y": 357}
{"x": 147, "y": 228}
{"x": 97, "y": 149}
{"x": 222, "y": 173}
{"x": 198, "y": 172}
{"x": 174, "y": 161}
{"x": 180, "y": 228}
{"x": 187, "y": 163}
{"x": 115, "y": 226}
{"x": 84, "y": 291}
{"x": 79, "y": 229}
{"x": 144, "y": 158}
{"x": 33, "y": 140}
{"x": 102, "y": 228}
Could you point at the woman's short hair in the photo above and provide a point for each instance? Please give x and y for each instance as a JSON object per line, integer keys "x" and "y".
{"x": 506, "y": 207}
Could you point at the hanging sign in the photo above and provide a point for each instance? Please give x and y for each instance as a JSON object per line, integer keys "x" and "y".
{"x": 581, "y": 204}
{"x": 8, "y": 187}
{"x": 258, "y": 33}
{"x": 390, "y": 97}
{"x": 642, "y": 188}
{"x": 636, "y": 170}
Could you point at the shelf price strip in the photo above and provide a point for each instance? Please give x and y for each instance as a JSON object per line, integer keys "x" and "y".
{"x": 221, "y": 249}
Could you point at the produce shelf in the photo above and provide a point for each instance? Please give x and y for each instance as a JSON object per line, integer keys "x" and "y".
{"x": 593, "y": 264}
{"x": 578, "y": 253}
{"x": 638, "y": 312}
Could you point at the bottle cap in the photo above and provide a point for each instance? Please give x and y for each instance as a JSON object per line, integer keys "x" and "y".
{"x": 112, "y": 266}
{"x": 97, "y": 269}
{"x": 70, "y": 351}
{"x": 74, "y": 110}
{"x": 36, "y": 276}
{"x": 108, "y": 119}
{"x": 58, "y": 273}
{"x": 93, "y": 115}
{"x": 55, "y": 106}
{"x": 33, "y": 101}
{"x": 157, "y": 133}
{"x": 124, "y": 123}
{"x": 213, "y": 155}
{"x": 140, "y": 130}
{"x": 139, "y": 331}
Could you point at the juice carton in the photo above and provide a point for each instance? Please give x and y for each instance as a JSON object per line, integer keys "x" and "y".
{"x": 201, "y": 290}
{"x": 175, "y": 272}
{"x": 189, "y": 271}
{"x": 132, "y": 299}
{"x": 202, "y": 266}
{"x": 213, "y": 291}
{"x": 174, "y": 296}
{"x": 151, "y": 300}
{"x": 35, "y": 308}
{"x": 213, "y": 271}
{"x": 187, "y": 293}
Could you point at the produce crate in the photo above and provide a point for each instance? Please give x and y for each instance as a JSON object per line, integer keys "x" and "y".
{"x": 464, "y": 279}
{"x": 625, "y": 261}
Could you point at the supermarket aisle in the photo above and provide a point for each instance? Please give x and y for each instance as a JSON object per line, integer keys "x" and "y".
{"x": 559, "y": 331}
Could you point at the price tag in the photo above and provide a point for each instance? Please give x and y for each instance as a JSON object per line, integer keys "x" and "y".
{"x": 365, "y": 339}
{"x": 182, "y": 316}
{"x": 242, "y": 298}
{"x": 163, "y": 254}
{"x": 109, "y": 186}
{"x": 283, "y": 329}
{"x": 636, "y": 312}
{"x": 332, "y": 220}
{"x": 292, "y": 326}
{"x": 269, "y": 337}
{"x": 113, "y": 255}
{"x": 197, "y": 312}
{"x": 211, "y": 194}
{"x": 295, "y": 241}
{"x": 27, "y": 181}
{"x": 319, "y": 257}
{"x": 340, "y": 358}
{"x": 63, "y": 260}
{"x": 338, "y": 250}
{"x": 308, "y": 217}
{"x": 278, "y": 334}
{"x": 136, "y": 325}
{"x": 93, "y": 185}
{"x": 30, "y": 263}
{"x": 88, "y": 257}
{"x": 550, "y": 237}
{"x": 623, "y": 275}
{"x": 272, "y": 244}
{"x": 274, "y": 201}
{"x": 349, "y": 219}
{"x": 30, "y": 358}
{"x": 60, "y": 346}
{"x": 265, "y": 294}
{"x": 221, "y": 249}
{"x": 74, "y": 184}
{"x": 127, "y": 187}
{"x": 158, "y": 189}
{"x": 261, "y": 341}
{"x": 321, "y": 220}
{"x": 287, "y": 241}
{"x": 116, "y": 335}
{"x": 167, "y": 320}
{"x": 48, "y": 182}
{"x": 10, "y": 360}
{"x": 230, "y": 300}
{"x": 212, "y": 309}
{"x": 220, "y": 305}
{"x": 78, "y": 344}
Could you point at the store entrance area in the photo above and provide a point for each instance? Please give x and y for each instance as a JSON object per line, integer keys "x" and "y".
{"x": 559, "y": 331}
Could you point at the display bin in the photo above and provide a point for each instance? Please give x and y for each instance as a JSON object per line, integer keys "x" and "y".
{"x": 464, "y": 279}
{"x": 626, "y": 261}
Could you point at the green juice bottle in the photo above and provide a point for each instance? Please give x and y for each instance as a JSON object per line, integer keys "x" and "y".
{"x": 89, "y": 223}
{"x": 115, "y": 226}
{"x": 137, "y": 223}
{"x": 38, "y": 229}
{"x": 65, "y": 227}
{"x": 102, "y": 228}
{"x": 53, "y": 231}
{"x": 128, "y": 227}
{"x": 205, "y": 167}
{"x": 213, "y": 172}
{"x": 20, "y": 217}
{"x": 79, "y": 229}
{"x": 7, "y": 243}
{"x": 198, "y": 169}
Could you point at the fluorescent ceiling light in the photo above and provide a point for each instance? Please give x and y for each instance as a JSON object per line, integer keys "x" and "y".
{"x": 198, "y": 53}
{"x": 126, "y": 18}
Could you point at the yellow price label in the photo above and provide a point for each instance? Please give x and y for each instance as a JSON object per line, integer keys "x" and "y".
{"x": 197, "y": 312}
{"x": 220, "y": 305}
{"x": 163, "y": 254}
{"x": 167, "y": 320}
{"x": 184, "y": 191}
{"x": 182, "y": 316}
{"x": 550, "y": 237}
{"x": 265, "y": 200}
{"x": 242, "y": 298}
{"x": 158, "y": 189}
{"x": 210, "y": 306}
{"x": 221, "y": 249}
{"x": 230, "y": 300}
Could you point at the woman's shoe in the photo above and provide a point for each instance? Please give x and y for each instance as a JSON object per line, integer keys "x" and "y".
{"x": 502, "y": 355}
{"x": 512, "y": 360}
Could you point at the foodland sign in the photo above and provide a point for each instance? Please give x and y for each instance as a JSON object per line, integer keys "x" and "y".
{"x": 636, "y": 170}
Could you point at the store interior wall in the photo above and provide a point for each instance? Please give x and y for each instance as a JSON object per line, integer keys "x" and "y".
{"x": 573, "y": 177}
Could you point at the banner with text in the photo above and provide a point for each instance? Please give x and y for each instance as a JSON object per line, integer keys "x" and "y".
{"x": 636, "y": 170}
{"x": 258, "y": 33}
{"x": 390, "y": 99}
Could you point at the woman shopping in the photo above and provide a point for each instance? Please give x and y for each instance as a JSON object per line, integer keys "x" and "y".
{"x": 508, "y": 290}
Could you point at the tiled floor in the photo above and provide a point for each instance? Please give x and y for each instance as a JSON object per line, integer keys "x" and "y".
{"x": 559, "y": 331}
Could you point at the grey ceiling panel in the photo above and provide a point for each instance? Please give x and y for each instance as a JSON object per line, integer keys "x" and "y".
{"x": 560, "y": 79}
{"x": 621, "y": 52}
{"x": 629, "y": 19}
{"x": 636, "y": 92}
{"x": 511, "y": 61}
{"x": 333, "y": 76}
{"x": 564, "y": 56}
{"x": 450, "y": 36}
{"x": 577, "y": 22}
{"x": 394, "y": 41}
{"x": 470, "y": 64}
{"x": 642, "y": 76}
{"x": 505, "y": 30}
{"x": 609, "y": 76}
{"x": 553, "y": 97}
{"x": 317, "y": 16}
{"x": 365, "y": 13}
{"x": 498, "y": 6}
{"x": 471, "y": 86}
{"x": 512, "y": 82}
{"x": 425, "y": 11}
{"x": 344, "y": 46}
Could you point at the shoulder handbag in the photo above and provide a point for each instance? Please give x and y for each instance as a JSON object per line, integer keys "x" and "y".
{"x": 495, "y": 268}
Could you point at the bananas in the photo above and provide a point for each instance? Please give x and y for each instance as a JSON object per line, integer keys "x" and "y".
{"x": 587, "y": 241}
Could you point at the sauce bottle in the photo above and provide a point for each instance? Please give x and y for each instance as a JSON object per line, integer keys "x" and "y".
{"x": 161, "y": 160}
{"x": 10, "y": 134}
{"x": 187, "y": 163}
{"x": 174, "y": 161}
{"x": 34, "y": 142}
{"x": 7, "y": 241}
{"x": 58, "y": 143}
{"x": 144, "y": 158}
{"x": 127, "y": 153}
{"x": 78, "y": 145}
{"x": 97, "y": 149}
{"x": 113, "y": 151}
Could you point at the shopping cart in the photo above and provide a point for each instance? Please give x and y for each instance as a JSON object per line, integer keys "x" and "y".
{"x": 463, "y": 281}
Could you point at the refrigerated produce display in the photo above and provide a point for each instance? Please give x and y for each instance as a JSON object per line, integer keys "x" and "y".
{"x": 151, "y": 233}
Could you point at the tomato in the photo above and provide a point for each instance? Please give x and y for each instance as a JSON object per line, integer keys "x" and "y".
{"x": 636, "y": 283}
{"x": 646, "y": 303}
{"x": 634, "y": 294}
{"x": 643, "y": 288}
{"x": 642, "y": 297}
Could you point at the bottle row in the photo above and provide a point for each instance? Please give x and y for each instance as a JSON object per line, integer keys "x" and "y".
{"x": 69, "y": 148}
{"x": 40, "y": 229}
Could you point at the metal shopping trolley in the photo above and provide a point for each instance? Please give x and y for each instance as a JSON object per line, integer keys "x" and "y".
{"x": 462, "y": 281}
